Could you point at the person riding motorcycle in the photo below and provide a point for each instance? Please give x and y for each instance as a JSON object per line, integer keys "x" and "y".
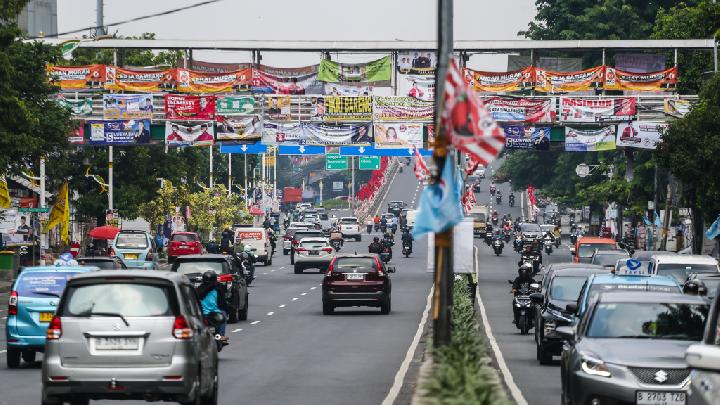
{"x": 530, "y": 253}
{"x": 492, "y": 187}
{"x": 511, "y": 198}
{"x": 212, "y": 299}
{"x": 369, "y": 224}
{"x": 336, "y": 236}
{"x": 388, "y": 237}
{"x": 495, "y": 217}
{"x": 403, "y": 222}
{"x": 376, "y": 221}
{"x": 523, "y": 280}
{"x": 407, "y": 239}
{"x": 246, "y": 254}
{"x": 383, "y": 224}
{"x": 375, "y": 246}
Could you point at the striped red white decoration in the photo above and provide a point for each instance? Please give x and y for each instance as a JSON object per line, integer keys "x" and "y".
{"x": 421, "y": 169}
{"x": 470, "y": 125}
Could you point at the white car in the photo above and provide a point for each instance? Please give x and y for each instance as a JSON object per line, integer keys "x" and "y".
{"x": 350, "y": 228}
{"x": 313, "y": 253}
{"x": 287, "y": 239}
{"x": 257, "y": 238}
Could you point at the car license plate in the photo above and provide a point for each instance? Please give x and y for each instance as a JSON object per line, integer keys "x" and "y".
{"x": 184, "y": 247}
{"x": 314, "y": 253}
{"x": 117, "y": 343}
{"x": 131, "y": 256}
{"x": 46, "y": 316}
{"x": 355, "y": 276}
{"x": 660, "y": 398}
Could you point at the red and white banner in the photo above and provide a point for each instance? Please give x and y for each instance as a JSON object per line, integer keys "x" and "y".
{"x": 421, "y": 169}
{"x": 594, "y": 110}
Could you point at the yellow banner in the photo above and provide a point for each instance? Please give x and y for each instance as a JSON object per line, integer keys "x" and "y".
{"x": 4, "y": 194}
{"x": 60, "y": 213}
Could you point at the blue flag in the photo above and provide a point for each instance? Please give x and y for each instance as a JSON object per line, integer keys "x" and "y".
{"x": 440, "y": 207}
{"x": 658, "y": 222}
{"x": 714, "y": 229}
{"x": 647, "y": 221}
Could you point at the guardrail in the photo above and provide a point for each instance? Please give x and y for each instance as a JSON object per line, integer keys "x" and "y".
{"x": 372, "y": 204}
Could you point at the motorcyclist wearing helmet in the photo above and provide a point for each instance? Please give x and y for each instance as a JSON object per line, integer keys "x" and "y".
{"x": 375, "y": 246}
{"x": 388, "y": 238}
{"x": 695, "y": 287}
{"x": 336, "y": 236}
{"x": 248, "y": 255}
{"x": 523, "y": 280}
{"x": 212, "y": 300}
{"x": 407, "y": 239}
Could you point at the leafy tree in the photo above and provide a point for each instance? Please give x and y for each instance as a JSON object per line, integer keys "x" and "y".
{"x": 213, "y": 208}
{"x": 168, "y": 197}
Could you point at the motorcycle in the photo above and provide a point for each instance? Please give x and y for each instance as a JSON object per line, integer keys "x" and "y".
{"x": 492, "y": 190}
{"x": 247, "y": 266}
{"x": 518, "y": 243}
{"x": 407, "y": 248}
{"x": 494, "y": 220}
{"x": 488, "y": 237}
{"x": 386, "y": 254}
{"x": 377, "y": 227}
{"x": 498, "y": 246}
{"x": 557, "y": 242}
{"x": 336, "y": 244}
{"x": 507, "y": 236}
{"x": 369, "y": 229}
{"x": 213, "y": 320}
{"x": 573, "y": 239}
{"x": 532, "y": 259}
{"x": 548, "y": 243}
{"x": 383, "y": 228}
{"x": 498, "y": 199}
{"x": 511, "y": 200}
{"x": 524, "y": 310}
{"x": 477, "y": 187}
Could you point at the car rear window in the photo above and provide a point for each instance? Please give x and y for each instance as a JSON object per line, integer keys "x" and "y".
{"x": 324, "y": 217}
{"x": 348, "y": 221}
{"x": 608, "y": 260}
{"x": 186, "y": 237}
{"x": 42, "y": 284}
{"x": 313, "y": 245}
{"x": 131, "y": 241}
{"x": 354, "y": 264}
{"x": 587, "y": 249}
{"x": 680, "y": 272}
{"x": 300, "y": 235}
{"x": 530, "y": 228}
{"x": 566, "y": 288}
{"x": 598, "y": 288}
{"x": 100, "y": 264}
{"x": 126, "y": 299}
{"x": 672, "y": 321}
{"x": 198, "y": 267}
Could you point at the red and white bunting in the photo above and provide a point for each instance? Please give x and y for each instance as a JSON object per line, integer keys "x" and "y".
{"x": 421, "y": 169}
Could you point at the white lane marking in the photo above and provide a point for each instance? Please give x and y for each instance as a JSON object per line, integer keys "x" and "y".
{"x": 3, "y": 351}
{"x": 295, "y": 299}
{"x": 507, "y": 376}
{"x": 405, "y": 365}
{"x": 270, "y": 313}
{"x": 264, "y": 274}
{"x": 281, "y": 306}
{"x": 312, "y": 288}
{"x": 282, "y": 267}
{"x": 254, "y": 322}
{"x": 237, "y": 330}
{"x": 320, "y": 284}
{"x": 272, "y": 270}
{"x": 303, "y": 293}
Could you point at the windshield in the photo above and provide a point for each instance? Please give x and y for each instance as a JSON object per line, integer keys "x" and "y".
{"x": 301, "y": 235}
{"x": 131, "y": 241}
{"x": 608, "y": 260}
{"x": 530, "y": 228}
{"x": 598, "y": 288}
{"x": 184, "y": 237}
{"x": 478, "y": 216}
{"x": 680, "y": 272}
{"x": 42, "y": 284}
{"x": 587, "y": 249}
{"x": 118, "y": 298}
{"x": 566, "y": 288}
{"x": 350, "y": 264}
{"x": 313, "y": 244}
{"x": 348, "y": 221}
{"x": 648, "y": 321}
{"x": 186, "y": 268}
{"x": 396, "y": 204}
{"x": 324, "y": 217}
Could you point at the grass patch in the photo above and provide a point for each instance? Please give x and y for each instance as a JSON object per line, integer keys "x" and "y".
{"x": 335, "y": 204}
{"x": 461, "y": 371}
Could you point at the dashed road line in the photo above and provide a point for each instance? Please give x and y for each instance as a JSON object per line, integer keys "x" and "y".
{"x": 303, "y": 293}
{"x": 237, "y": 330}
{"x": 270, "y": 313}
{"x": 272, "y": 270}
{"x": 312, "y": 288}
{"x": 282, "y": 267}
{"x": 3, "y": 351}
{"x": 281, "y": 306}
{"x": 295, "y": 298}
{"x": 254, "y": 322}
{"x": 264, "y": 274}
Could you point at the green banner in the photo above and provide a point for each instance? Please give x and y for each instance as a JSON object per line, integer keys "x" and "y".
{"x": 376, "y": 71}
{"x": 229, "y": 105}
{"x": 369, "y": 162}
{"x": 335, "y": 162}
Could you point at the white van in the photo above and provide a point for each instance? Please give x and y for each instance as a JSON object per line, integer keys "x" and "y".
{"x": 679, "y": 267}
{"x": 257, "y": 238}
{"x": 410, "y": 215}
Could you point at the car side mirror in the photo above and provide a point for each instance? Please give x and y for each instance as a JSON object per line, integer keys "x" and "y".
{"x": 537, "y": 298}
{"x": 572, "y": 308}
{"x": 706, "y": 357}
{"x": 390, "y": 269}
{"x": 567, "y": 332}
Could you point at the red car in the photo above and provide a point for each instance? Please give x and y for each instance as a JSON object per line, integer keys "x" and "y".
{"x": 183, "y": 243}
{"x": 357, "y": 280}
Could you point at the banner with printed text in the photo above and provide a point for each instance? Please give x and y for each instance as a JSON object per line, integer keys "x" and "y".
{"x": 278, "y": 108}
{"x": 597, "y": 110}
{"x": 239, "y": 129}
{"x": 189, "y": 133}
{"x": 234, "y": 105}
{"x": 127, "y": 106}
{"x": 303, "y": 80}
{"x": 348, "y": 109}
{"x": 677, "y": 108}
{"x": 519, "y": 109}
{"x": 216, "y": 67}
{"x": 77, "y": 77}
{"x": 117, "y": 78}
{"x": 640, "y": 134}
{"x": 344, "y": 134}
{"x": 416, "y": 62}
{"x": 348, "y": 90}
{"x": 500, "y": 81}
{"x": 77, "y": 135}
{"x": 398, "y": 136}
{"x": 527, "y": 137}
{"x": 402, "y": 109}
{"x": 82, "y": 107}
{"x": 191, "y": 81}
{"x": 274, "y": 133}
{"x": 549, "y": 81}
{"x": 416, "y": 86}
{"x": 589, "y": 140}
{"x": 186, "y": 107}
{"x": 117, "y": 132}
{"x": 663, "y": 80}
{"x": 377, "y": 72}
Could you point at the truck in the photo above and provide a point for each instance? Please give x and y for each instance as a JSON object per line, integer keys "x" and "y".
{"x": 479, "y": 214}
{"x": 290, "y": 197}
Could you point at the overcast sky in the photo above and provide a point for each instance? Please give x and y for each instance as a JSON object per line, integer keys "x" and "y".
{"x": 307, "y": 20}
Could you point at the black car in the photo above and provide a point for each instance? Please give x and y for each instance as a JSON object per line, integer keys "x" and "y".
{"x": 710, "y": 283}
{"x": 396, "y": 207}
{"x": 102, "y": 262}
{"x": 561, "y": 287}
{"x": 229, "y": 273}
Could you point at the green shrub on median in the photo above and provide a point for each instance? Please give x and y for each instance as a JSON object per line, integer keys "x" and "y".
{"x": 461, "y": 372}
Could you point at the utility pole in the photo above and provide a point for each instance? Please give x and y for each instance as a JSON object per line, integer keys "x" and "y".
{"x": 211, "y": 166}
{"x": 229, "y": 174}
{"x": 352, "y": 180}
{"x": 100, "y": 30}
{"x": 442, "y": 295}
{"x": 111, "y": 189}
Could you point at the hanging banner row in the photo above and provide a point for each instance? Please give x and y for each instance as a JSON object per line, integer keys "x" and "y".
{"x": 308, "y": 150}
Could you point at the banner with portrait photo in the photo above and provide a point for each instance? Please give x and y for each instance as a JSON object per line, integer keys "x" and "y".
{"x": 597, "y": 110}
{"x": 81, "y": 107}
{"x": 234, "y": 105}
{"x": 377, "y": 72}
{"x": 416, "y": 62}
{"x": 117, "y": 78}
{"x": 127, "y": 106}
{"x": 274, "y": 133}
{"x": 398, "y": 135}
{"x": 77, "y": 135}
{"x": 344, "y": 134}
{"x": 348, "y": 90}
{"x": 677, "y": 108}
{"x": 77, "y": 77}
{"x": 500, "y": 81}
{"x": 519, "y": 109}
{"x": 189, "y": 133}
{"x": 549, "y": 81}
{"x": 118, "y": 132}
{"x": 589, "y": 140}
{"x": 640, "y": 134}
{"x": 272, "y": 80}
{"x": 278, "y": 108}
{"x": 348, "y": 108}
{"x": 239, "y": 129}
{"x": 186, "y": 107}
{"x": 663, "y": 80}
{"x": 527, "y": 137}
{"x": 416, "y": 86}
{"x": 192, "y": 81}
{"x": 402, "y": 109}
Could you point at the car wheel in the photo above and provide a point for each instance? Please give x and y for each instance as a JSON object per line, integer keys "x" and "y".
{"x": 51, "y": 401}
{"x": 328, "y": 309}
{"x": 233, "y": 317}
{"x": 298, "y": 269}
{"x": 286, "y": 252}
{"x": 212, "y": 397}
{"x": 80, "y": 401}
{"x": 358, "y": 238}
{"x": 171, "y": 259}
{"x": 28, "y": 356}
{"x": 13, "y": 358}
{"x": 385, "y": 305}
{"x": 243, "y": 313}
{"x": 543, "y": 357}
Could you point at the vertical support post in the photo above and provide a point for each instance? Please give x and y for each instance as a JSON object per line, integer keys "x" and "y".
{"x": 247, "y": 195}
{"x": 655, "y": 205}
{"x": 111, "y": 189}
{"x": 352, "y": 180}
{"x": 676, "y": 56}
{"x": 275, "y": 160}
{"x": 210, "y": 177}
{"x": 715, "y": 56}
{"x": 99, "y": 17}
{"x": 43, "y": 234}
{"x": 394, "y": 58}
{"x": 229, "y": 173}
{"x": 603, "y": 63}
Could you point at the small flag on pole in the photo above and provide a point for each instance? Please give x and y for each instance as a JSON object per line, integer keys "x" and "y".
{"x": 421, "y": 169}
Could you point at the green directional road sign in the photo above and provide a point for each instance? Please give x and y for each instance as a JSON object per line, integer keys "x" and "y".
{"x": 369, "y": 162}
{"x": 333, "y": 161}
{"x": 39, "y": 209}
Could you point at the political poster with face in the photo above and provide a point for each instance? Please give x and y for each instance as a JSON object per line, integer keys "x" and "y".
{"x": 77, "y": 77}
{"x": 118, "y": 132}
{"x": 127, "y": 106}
{"x": 676, "y": 107}
{"x": 272, "y": 80}
{"x": 402, "y": 109}
{"x": 520, "y": 109}
{"x": 117, "y": 78}
{"x": 347, "y": 90}
{"x": 191, "y": 81}
{"x": 278, "y": 108}
{"x": 640, "y": 134}
{"x": 186, "y": 107}
{"x": 416, "y": 86}
{"x": 597, "y": 110}
{"x": 77, "y": 135}
{"x": 589, "y": 140}
{"x": 377, "y": 72}
{"x": 663, "y": 80}
{"x": 239, "y": 129}
{"x": 527, "y": 137}
{"x": 416, "y": 62}
{"x": 345, "y": 134}
{"x": 500, "y": 81}
{"x": 398, "y": 135}
{"x": 549, "y": 81}
{"x": 274, "y": 133}
{"x": 189, "y": 133}
{"x": 81, "y": 107}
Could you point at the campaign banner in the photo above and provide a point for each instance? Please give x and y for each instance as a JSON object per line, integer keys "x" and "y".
{"x": 186, "y": 107}
{"x": 345, "y": 134}
{"x": 348, "y": 108}
{"x": 398, "y": 136}
{"x": 82, "y": 107}
{"x": 189, "y": 133}
{"x": 402, "y": 109}
{"x": 594, "y": 110}
{"x": 302, "y": 80}
{"x": 127, "y": 106}
{"x": 519, "y": 109}
{"x": 214, "y": 67}
{"x": 117, "y": 78}
{"x": 234, "y": 105}
{"x": 378, "y": 72}
{"x": 549, "y": 81}
{"x": 119, "y": 132}
{"x": 77, "y": 77}
{"x": 416, "y": 86}
{"x": 639, "y": 62}
{"x": 274, "y": 133}
{"x": 662, "y": 80}
{"x": 77, "y": 136}
{"x": 527, "y": 137}
{"x": 640, "y": 134}
{"x": 191, "y": 81}
{"x": 278, "y": 108}
{"x": 589, "y": 140}
{"x": 500, "y": 81}
{"x": 348, "y": 90}
{"x": 239, "y": 129}
{"x": 677, "y": 108}
{"x": 416, "y": 63}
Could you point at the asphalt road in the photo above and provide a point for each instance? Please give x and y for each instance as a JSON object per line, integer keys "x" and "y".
{"x": 287, "y": 352}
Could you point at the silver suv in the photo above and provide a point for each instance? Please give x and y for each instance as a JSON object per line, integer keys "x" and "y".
{"x": 129, "y": 335}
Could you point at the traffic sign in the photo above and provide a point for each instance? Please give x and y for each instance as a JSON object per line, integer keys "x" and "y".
{"x": 369, "y": 162}
{"x": 245, "y": 149}
{"x": 333, "y": 161}
{"x": 301, "y": 150}
{"x": 38, "y": 209}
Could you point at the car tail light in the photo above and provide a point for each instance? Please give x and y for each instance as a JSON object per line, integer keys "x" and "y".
{"x": 328, "y": 249}
{"x": 12, "y": 303}
{"x": 54, "y": 330}
{"x": 149, "y": 256}
{"x": 295, "y": 242}
{"x": 300, "y": 250}
{"x": 181, "y": 329}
